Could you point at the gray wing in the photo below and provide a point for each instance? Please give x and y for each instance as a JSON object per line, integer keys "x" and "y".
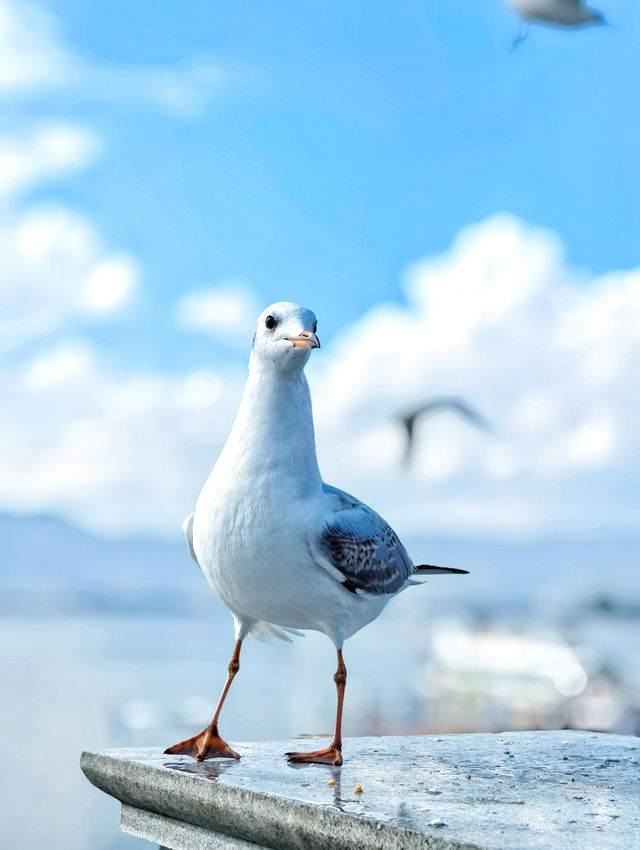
{"x": 360, "y": 549}
{"x": 187, "y": 530}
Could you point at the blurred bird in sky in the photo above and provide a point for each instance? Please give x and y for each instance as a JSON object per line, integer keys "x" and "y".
{"x": 407, "y": 418}
{"x": 560, "y": 13}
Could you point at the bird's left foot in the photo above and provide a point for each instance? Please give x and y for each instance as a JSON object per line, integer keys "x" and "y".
{"x": 332, "y": 755}
{"x": 207, "y": 745}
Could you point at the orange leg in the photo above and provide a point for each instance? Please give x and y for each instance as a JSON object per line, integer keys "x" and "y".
{"x": 333, "y": 753}
{"x": 208, "y": 744}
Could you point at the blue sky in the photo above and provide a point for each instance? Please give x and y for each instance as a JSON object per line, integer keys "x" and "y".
{"x": 347, "y": 143}
{"x": 166, "y": 170}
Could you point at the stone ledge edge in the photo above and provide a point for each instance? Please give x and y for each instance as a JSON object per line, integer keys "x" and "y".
{"x": 261, "y": 819}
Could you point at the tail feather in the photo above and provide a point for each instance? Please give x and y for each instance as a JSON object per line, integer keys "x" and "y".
{"x": 427, "y": 569}
{"x": 261, "y": 630}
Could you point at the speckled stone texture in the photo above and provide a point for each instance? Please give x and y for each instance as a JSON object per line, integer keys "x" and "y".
{"x": 517, "y": 790}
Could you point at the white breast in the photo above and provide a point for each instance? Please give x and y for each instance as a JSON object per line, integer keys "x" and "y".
{"x": 255, "y": 553}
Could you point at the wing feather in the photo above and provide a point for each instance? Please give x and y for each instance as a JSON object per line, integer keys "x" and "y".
{"x": 187, "y": 530}
{"x": 360, "y": 549}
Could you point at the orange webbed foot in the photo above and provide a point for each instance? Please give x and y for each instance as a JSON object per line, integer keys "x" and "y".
{"x": 207, "y": 745}
{"x": 331, "y": 755}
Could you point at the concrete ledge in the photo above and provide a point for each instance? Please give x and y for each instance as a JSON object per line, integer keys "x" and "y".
{"x": 517, "y": 790}
{"x": 176, "y": 834}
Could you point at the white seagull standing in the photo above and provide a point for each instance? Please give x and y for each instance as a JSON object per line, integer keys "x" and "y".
{"x": 282, "y": 549}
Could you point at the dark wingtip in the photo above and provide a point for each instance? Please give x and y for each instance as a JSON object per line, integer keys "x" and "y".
{"x": 430, "y": 569}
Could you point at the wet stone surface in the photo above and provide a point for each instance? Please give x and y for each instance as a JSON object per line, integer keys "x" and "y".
{"x": 515, "y": 790}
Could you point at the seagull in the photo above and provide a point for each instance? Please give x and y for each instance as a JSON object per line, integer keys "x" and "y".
{"x": 407, "y": 418}
{"x": 560, "y": 13}
{"x": 283, "y": 550}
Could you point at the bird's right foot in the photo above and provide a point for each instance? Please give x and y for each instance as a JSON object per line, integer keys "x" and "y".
{"x": 332, "y": 755}
{"x": 207, "y": 745}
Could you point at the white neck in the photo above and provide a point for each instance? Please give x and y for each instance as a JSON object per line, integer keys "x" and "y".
{"x": 272, "y": 435}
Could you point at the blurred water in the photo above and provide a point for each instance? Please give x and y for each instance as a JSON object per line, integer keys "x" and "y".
{"x": 109, "y": 644}
{"x": 77, "y": 683}
{"x": 100, "y": 682}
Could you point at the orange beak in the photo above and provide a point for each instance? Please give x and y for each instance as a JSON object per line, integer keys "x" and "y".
{"x": 306, "y": 339}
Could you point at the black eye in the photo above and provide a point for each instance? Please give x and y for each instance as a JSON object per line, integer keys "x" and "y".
{"x": 270, "y": 322}
{"x": 315, "y": 327}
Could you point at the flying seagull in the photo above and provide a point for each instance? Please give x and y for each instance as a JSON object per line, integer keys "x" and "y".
{"x": 407, "y": 418}
{"x": 568, "y": 14}
{"x": 282, "y": 549}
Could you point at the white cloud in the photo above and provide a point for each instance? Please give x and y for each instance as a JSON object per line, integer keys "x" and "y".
{"x": 56, "y": 269}
{"x": 109, "y": 285}
{"x": 57, "y": 367}
{"x": 113, "y": 452}
{"x": 550, "y": 360}
{"x": 499, "y": 320}
{"x": 184, "y": 90}
{"x": 31, "y": 54}
{"x": 228, "y": 311}
{"x": 46, "y": 151}
{"x": 34, "y": 58}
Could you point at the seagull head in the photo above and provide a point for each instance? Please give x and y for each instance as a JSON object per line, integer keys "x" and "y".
{"x": 285, "y": 336}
